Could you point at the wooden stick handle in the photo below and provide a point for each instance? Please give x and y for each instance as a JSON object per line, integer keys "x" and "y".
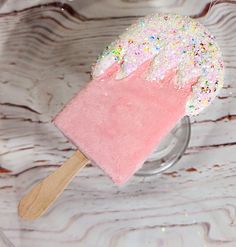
{"x": 43, "y": 194}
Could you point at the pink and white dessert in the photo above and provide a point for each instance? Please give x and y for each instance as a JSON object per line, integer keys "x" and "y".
{"x": 162, "y": 68}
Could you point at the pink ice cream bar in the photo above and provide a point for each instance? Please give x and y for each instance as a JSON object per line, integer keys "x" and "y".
{"x": 162, "y": 68}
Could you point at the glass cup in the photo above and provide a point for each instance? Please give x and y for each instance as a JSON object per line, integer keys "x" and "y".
{"x": 169, "y": 151}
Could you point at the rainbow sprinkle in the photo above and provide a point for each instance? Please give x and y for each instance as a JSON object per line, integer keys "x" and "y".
{"x": 173, "y": 42}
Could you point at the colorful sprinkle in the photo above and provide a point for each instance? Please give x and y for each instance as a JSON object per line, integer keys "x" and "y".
{"x": 175, "y": 42}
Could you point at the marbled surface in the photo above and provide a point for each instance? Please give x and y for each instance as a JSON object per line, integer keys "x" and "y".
{"x": 45, "y": 57}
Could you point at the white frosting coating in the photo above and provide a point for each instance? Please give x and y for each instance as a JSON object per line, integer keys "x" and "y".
{"x": 173, "y": 42}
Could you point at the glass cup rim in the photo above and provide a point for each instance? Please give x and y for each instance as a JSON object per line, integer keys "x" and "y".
{"x": 144, "y": 173}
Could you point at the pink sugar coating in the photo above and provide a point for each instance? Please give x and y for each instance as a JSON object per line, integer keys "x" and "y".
{"x": 117, "y": 124}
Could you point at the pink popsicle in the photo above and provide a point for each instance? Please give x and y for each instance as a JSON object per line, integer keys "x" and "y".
{"x": 162, "y": 68}
{"x": 117, "y": 124}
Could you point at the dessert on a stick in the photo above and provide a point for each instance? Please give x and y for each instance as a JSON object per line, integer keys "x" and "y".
{"x": 162, "y": 68}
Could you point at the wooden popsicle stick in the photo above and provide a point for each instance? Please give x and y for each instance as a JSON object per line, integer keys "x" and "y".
{"x": 42, "y": 195}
